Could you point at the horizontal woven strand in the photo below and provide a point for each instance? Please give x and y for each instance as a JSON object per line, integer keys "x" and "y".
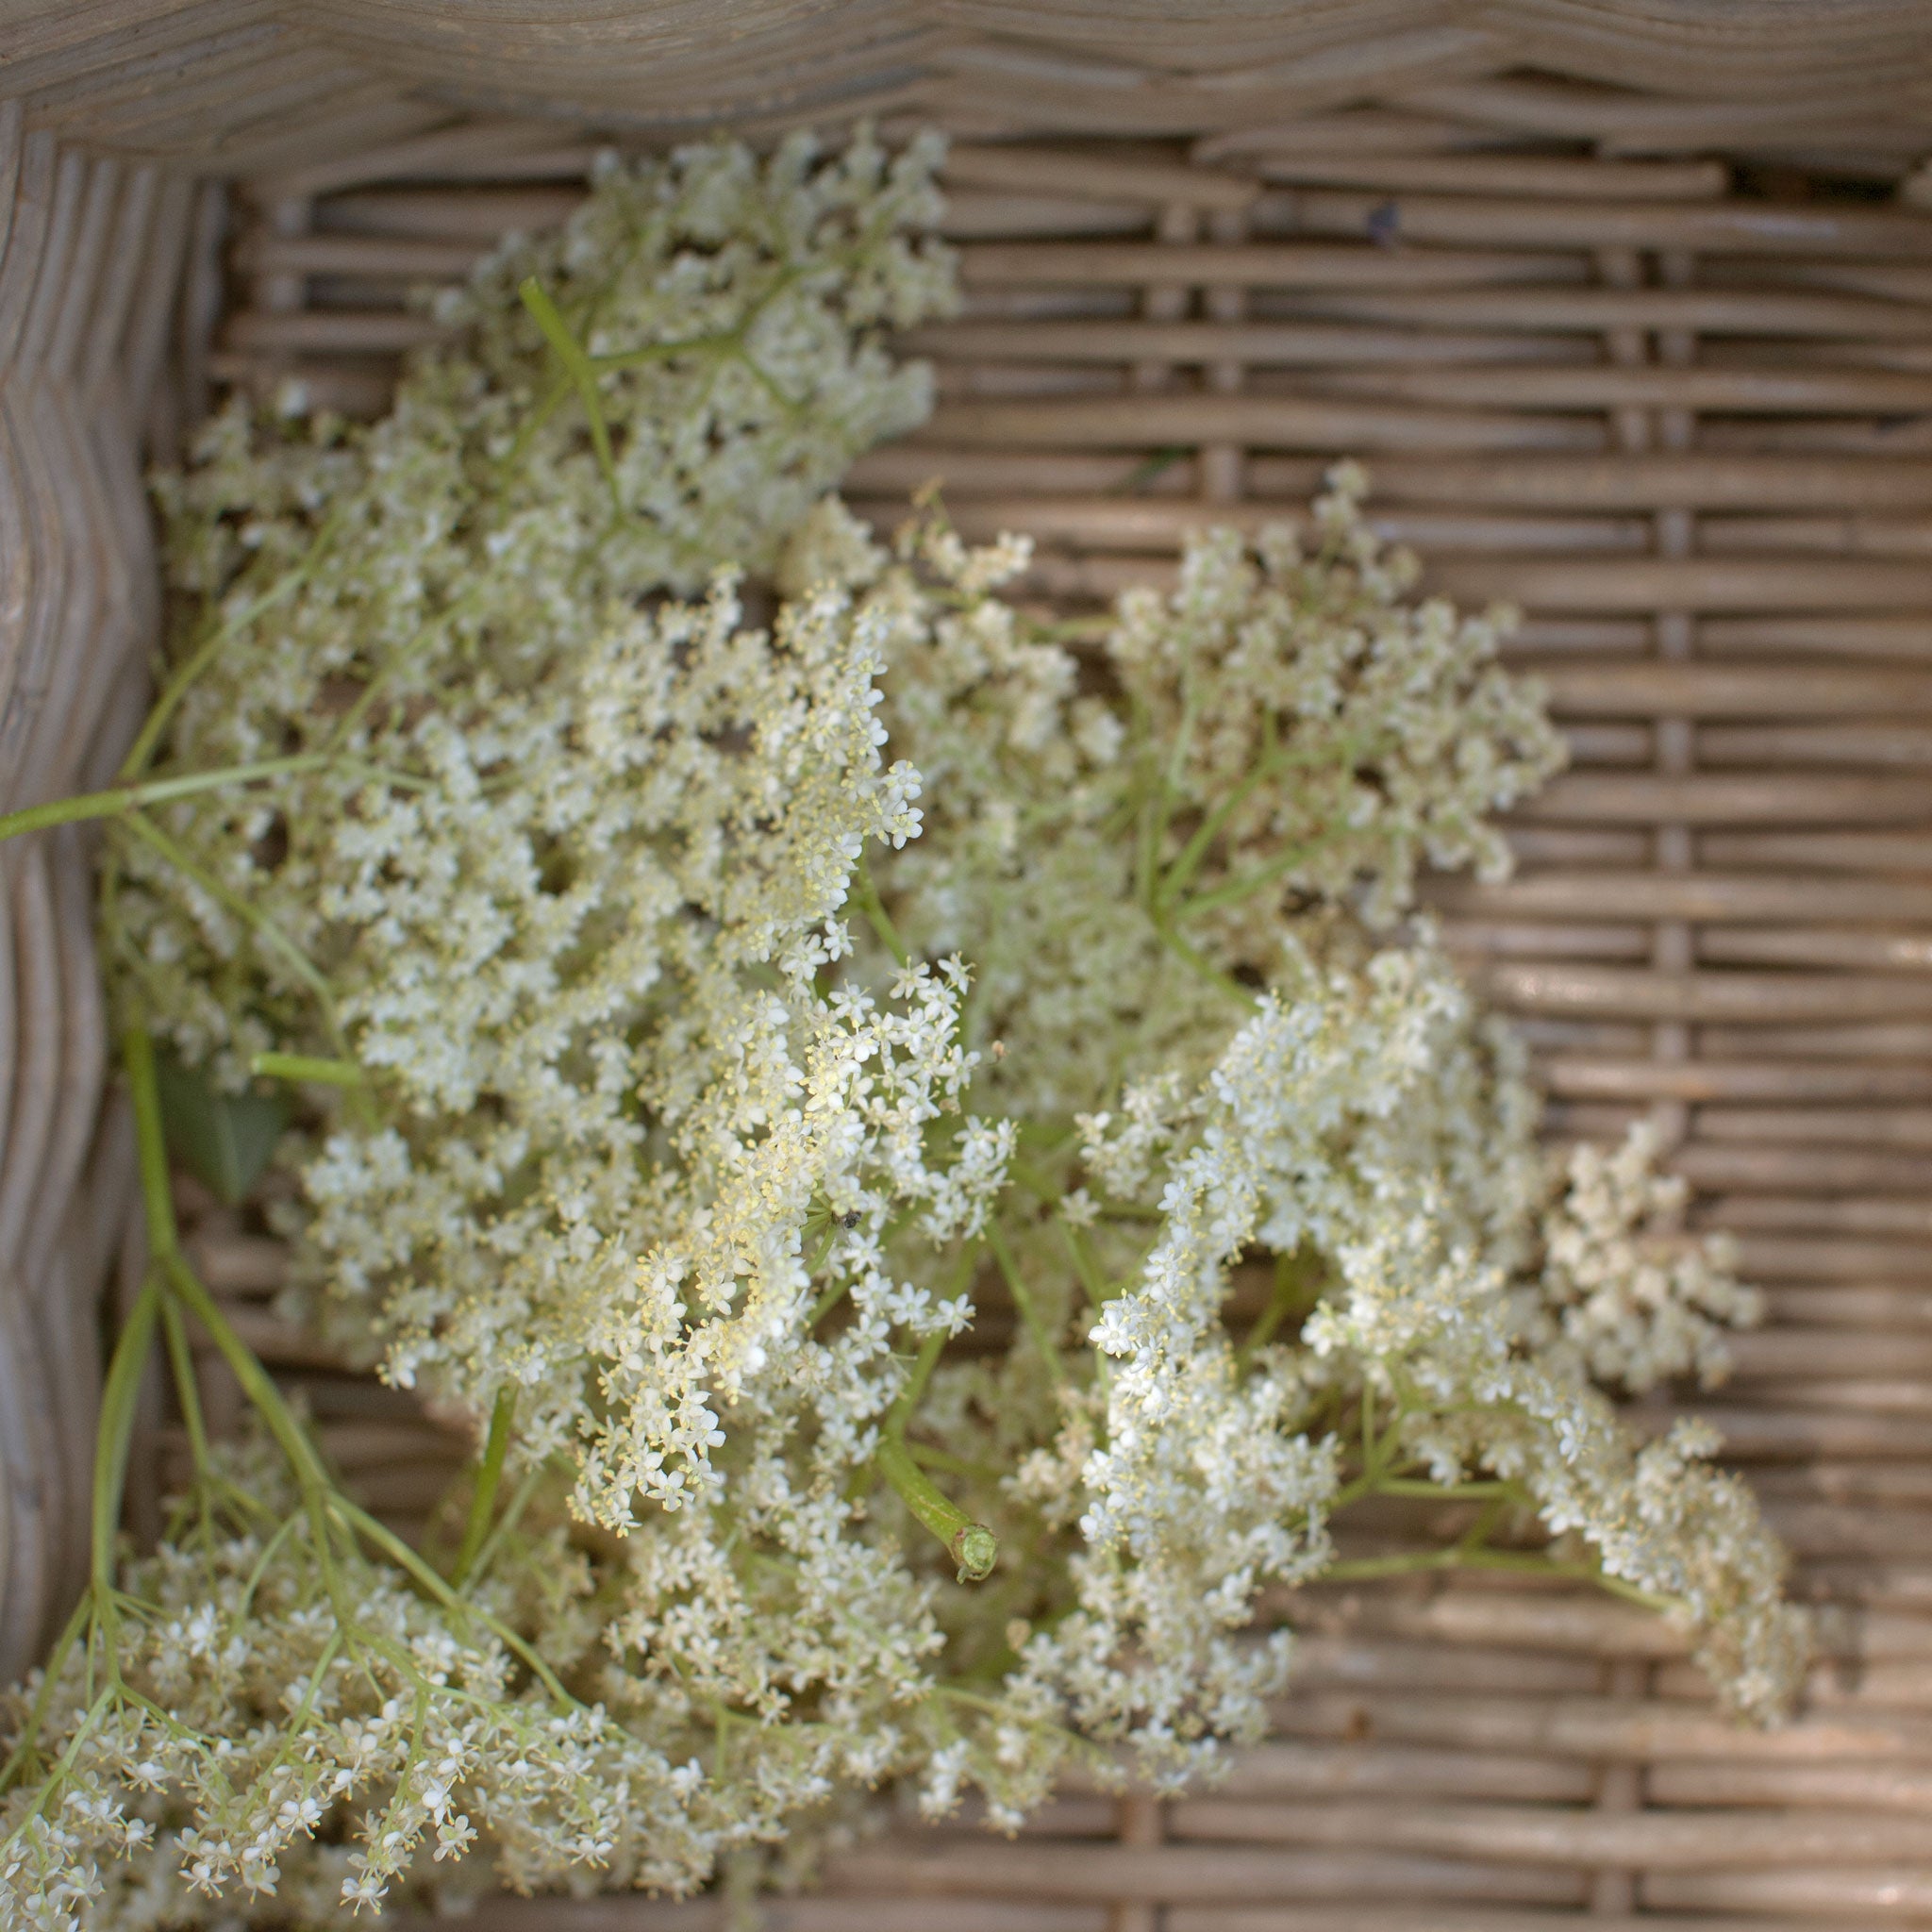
{"x": 1590, "y": 1728}
{"x": 1701, "y": 1840}
{"x": 1730, "y": 226}
{"x": 1219, "y": 1873}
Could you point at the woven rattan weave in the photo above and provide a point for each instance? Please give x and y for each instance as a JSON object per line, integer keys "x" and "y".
{"x": 1630, "y": 313}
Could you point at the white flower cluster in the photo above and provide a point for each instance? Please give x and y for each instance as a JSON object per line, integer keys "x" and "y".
{"x": 944, "y": 1149}
{"x": 582, "y": 984}
{"x": 551, "y": 826}
{"x": 386, "y": 601}
{"x": 1343, "y": 733}
{"x": 1639, "y": 1302}
{"x": 1274, "y": 734}
{"x": 1235, "y": 797}
{"x": 553, "y": 879}
{"x": 264, "y": 1693}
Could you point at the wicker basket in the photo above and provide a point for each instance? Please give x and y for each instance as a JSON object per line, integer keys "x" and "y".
{"x": 1630, "y": 311}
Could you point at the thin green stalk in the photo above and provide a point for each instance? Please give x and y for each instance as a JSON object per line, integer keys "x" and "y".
{"x": 257, "y": 1383}
{"x": 829, "y": 1299}
{"x": 923, "y": 1363}
{"x": 119, "y": 800}
{"x": 1231, "y": 892}
{"x": 1477, "y": 1535}
{"x": 51, "y": 1783}
{"x": 182, "y": 680}
{"x": 302, "y": 1066}
{"x": 1174, "y": 881}
{"x": 151, "y": 1144}
{"x": 120, "y": 1396}
{"x": 663, "y": 352}
{"x": 512, "y": 459}
{"x": 165, "y": 1243}
{"x": 1527, "y": 1563}
{"x": 1446, "y": 1493}
{"x": 1099, "y": 1291}
{"x": 792, "y": 405}
{"x": 928, "y": 1457}
{"x": 507, "y": 1523}
{"x": 25, "y": 1750}
{"x": 1283, "y": 1301}
{"x": 1034, "y": 1178}
{"x": 483, "y": 1499}
{"x": 325, "y": 1662}
{"x": 1154, "y": 824}
{"x": 1023, "y": 1300}
{"x": 582, "y": 373}
{"x": 272, "y": 936}
{"x": 1201, "y": 966}
{"x": 285, "y": 1529}
{"x": 1276, "y": 759}
{"x": 972, "y": 1545}
{"x": 866, "y": 896}
{"x": 187, "y": 1392}
{"x": 1146, "y": 857}
{"x": 404, "y": 1558}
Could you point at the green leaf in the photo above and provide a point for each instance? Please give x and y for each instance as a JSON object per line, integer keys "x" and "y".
{"x": 223, "y": 1140}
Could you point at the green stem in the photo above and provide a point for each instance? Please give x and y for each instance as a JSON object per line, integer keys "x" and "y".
{"x": 257, "y": 1383}
{"x": 164, "y": 1242}
{"x": 1098, "y": 1290}
{"x": 1231, "y": 892}
{"x": 270, "y": 1550}
{"x": 662, "y": 352}
{"x": 187, "y": 1392}
{"x": 866, "y": 896}
{"x": 157, "y": 1199}
{"x": 1023, "y": 1300}
{"x": 404, "y": 1558}
{"x": 923, "y": 1363}
{"x": 302, "y": 1066}
{"x": 1290, "y": 1286}
{"x": 483, "y": 1501}
{"x": 506, "y": 1523}
{"x": 582, "y": 373}
{"x": 183, "y": 677}
{"x": 1160, "y": 814}
{"x": 1447, "y": 1492}
{"x": 56, "y": 1778}
{"x": 1146, "y": 858}
{"x": 1199, "y": 965}
{"x": 928, "y": 1457}
{"x": 25, "y": 1752}
{"x": 972, "y": 1545}
{"x": 118, "y": 800}
{"x": 830, "y": 1297}
{"x": 1174, "y": 881}
{"x": 272, "y": 936}
{"x": 163, "y": 1236}
{"x": 120, "y": 1396}
{"x": 1529, "y": 1562}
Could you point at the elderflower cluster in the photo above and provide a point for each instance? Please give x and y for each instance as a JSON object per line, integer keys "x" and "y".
{"x": 1639, "y": 1301}
{"x": 1366, "y": 1135}
{"x": 552, "y": 824}
{"x": 417, "y": 605}
{"x": 1274, "y": 733}
{"x": 844, "y": 1088}
{"x": 268, "y": 1689}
